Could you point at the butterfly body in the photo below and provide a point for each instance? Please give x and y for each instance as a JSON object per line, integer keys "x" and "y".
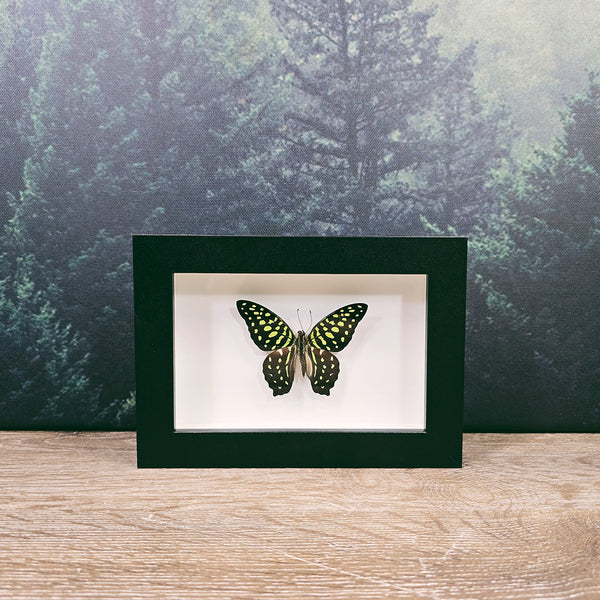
{"x": 302, "y": 347}
{"x": 313, "y": 350}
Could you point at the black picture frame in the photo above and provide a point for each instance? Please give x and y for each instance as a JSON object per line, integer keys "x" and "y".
{"x": 156, "y": 260}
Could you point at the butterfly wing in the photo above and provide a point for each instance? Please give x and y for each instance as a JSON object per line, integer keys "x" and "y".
{"x": 278, "y": 369}
{"x": 267, "y": 330}
{"x": 334, "y": 332}
{"x": 270, "y": 332}
{"x": 324, "y": 370}
{"x": 331, "y": 334}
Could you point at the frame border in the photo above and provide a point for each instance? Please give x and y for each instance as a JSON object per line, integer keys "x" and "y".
{"x": 157, "y": 257}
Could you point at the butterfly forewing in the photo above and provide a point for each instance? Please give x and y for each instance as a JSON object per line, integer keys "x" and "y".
{"x": 334, "y": 332}
{"x": 267, "y": 330}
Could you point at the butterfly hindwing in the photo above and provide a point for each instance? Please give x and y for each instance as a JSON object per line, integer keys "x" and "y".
{"x": 267, "y": 330}
{"x": 334, "y": 332}
{"x": 324, "y": 370}
{"x": 278, "y": 369}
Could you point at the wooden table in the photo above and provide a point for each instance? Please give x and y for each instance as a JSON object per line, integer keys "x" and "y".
{"x": 520, "y": 520}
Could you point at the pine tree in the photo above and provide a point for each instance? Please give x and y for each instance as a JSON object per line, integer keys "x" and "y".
{"x": 43, "y": 362}
{"x": 376, "y": 110}
{"x": 468, "y": 139}
{"x": 22, "y": 24}
{"x": 88, "y": 81}
{"x": 536, "y": 290}
{"x": 139, "y": 120}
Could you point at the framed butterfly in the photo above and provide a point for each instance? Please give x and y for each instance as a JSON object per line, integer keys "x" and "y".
{"x": 313, "y": 350}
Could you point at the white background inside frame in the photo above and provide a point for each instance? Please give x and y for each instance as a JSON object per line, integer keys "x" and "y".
{"x": 219, "y": 384}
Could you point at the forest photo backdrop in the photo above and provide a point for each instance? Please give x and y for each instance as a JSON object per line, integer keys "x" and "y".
{"x": 297, "y": 117}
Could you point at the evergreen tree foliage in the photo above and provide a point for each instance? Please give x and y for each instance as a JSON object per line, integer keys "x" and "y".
{"x": 276, "y": 116}
{"x": 138, "y": 120}
{"x": 212, "y": 114}
{"x": 537, "y": 284}
{"x": 377, "y": 114}
{"x": 43, "y": 362}
{"x": 468, "y": 140}
{"x": 88, "y": 77}
{"x": 22, "y": 25}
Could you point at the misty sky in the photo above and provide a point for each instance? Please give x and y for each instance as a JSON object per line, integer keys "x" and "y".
{"x": 532, "y": 53}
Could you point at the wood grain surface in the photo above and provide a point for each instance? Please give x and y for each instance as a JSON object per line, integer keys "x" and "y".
{"x": 521, "y": 520}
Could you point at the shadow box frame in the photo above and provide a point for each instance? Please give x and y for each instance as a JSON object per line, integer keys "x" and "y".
{"x": 158, "y": 258}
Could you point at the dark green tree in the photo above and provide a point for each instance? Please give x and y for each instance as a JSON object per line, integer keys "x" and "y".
{"x": 214, "y": 106}
{"x": 378, "y": 129}
{"x": 88, "y": 81}
{"x": 22, "y": 24}
{"x": 142, "y": 118}
{"x": 467, "y": 140}
{"x": 537, "y": 284}
{"x": 43, "y": 362}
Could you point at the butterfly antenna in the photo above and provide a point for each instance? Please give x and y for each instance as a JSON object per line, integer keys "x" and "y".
{"x": 300, "y": 320}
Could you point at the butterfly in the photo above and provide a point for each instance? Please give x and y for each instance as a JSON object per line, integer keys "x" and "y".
{"x": 314, "y": 351}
